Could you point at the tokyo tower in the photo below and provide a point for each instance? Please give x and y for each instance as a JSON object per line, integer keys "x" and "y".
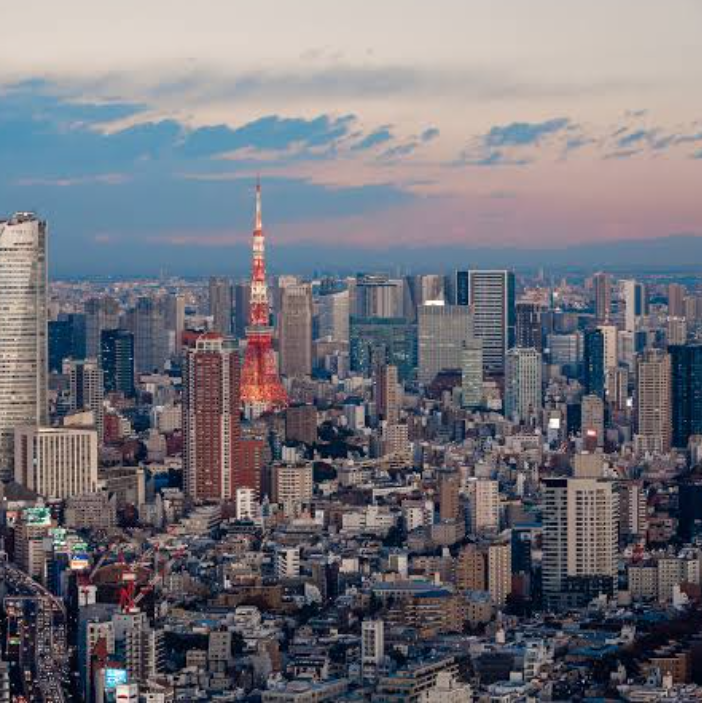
{"x": 261, "y": 388}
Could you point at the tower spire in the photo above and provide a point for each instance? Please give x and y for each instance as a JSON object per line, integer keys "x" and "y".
{"x": 259, "y": 224}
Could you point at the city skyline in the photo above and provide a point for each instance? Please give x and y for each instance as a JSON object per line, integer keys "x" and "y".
{"x": 510, "y": 128}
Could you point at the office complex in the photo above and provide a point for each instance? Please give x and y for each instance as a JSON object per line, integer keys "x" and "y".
{"x": 221, "y": 305}
{"x": 117, "y": 361}
{"x": 686, "y": 389}
{"x": 523, "y": 385}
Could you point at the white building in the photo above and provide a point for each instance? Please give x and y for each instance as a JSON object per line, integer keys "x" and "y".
{"x": 57, "y": 462}
{"x": 334, "y": 316}
{"x": 484, "y": 504}
{"x": 287, "y": 563}
{"x": 523, "y": 384}
{"x": 372, "y": 645}
{"x": 23, "y": 330}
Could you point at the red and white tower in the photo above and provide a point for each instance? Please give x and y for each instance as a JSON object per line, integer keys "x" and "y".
{"x": 261, "y": 388}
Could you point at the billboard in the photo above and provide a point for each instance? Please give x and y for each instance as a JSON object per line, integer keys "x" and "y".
{"x": 114, "y": 678}
{"x": 40, "y": 517}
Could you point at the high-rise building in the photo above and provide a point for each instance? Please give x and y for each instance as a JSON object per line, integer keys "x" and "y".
{"x": 249, "y": 472}
{"x": 66, "y": 340}
{"x": 211, "y": 423}
{"x": 174, "y": 313}
{"x": 594, "y": 362}
{"x": 387, "y": 393}
{"x": 301, "y": 423}
{"x": 472, "y": 374}
{"x": 653, "y": 402}
{"x": 86, "y": 389}
{"x": 602, "y": 289}
{"x": 592, "y": 420}
{"x": 261, "y": 389}
{"x": 151, "y": 342}
{"x": 492, "y": 300}
{"x": 117, "y": 361}
{"x": 609, "y": 340}
{"x": 100, "y": 314}
{"x": 23, "y": 330}
{"x": 676, "y": 300}
{"x": 676, "y": 332}
{"x": 443, "y": 332}
{"x": 242, "y": 308}
{"x": 686, "y": 383}
{"x": 372, "y": 646}
{"x": 635, "y": 304}
{"x": 379, "y": 296}
{"x": 458, "y": 288}
{"x": 334, "y": 315}
{"x": 221, "y": 305}
{"x": 528, "y": 325}
{"x": 484, "y": 505}
{"x": 57, "y": 462}
{"x": 295, "y": 330}
{"x": 499, "y": 572}
{"x": 449, "y": 495}
{"x": 523, "y": 385}
{"x": 392, "y": 340}
{"x": 579, "y": 541}
{"x": 292, "y": 486}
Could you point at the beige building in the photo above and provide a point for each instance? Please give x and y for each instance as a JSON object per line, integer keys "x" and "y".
{"x": 292, "y": 486}
{"x": 500, "y": 572}
{"x": 57, "y": 462}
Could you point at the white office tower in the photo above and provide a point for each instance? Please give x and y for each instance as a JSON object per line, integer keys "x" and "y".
{"x": 87, "y": 389}
{"x": 57, "y": 462}
{"x": 523, "y": 385}
{"x": 372, "y": 646}
{"x": 580, "y": 526}
{"x": 472, "y": 373}
{"x": 23, "y": 325}
{"x": 287, "y": 563}
{"x": 635, "y": 304}
{"x": 493, "y": 305}
{"x": 334, "y": 316}
{"x": 484, "y": 505}
{"x": 444, "y": 331}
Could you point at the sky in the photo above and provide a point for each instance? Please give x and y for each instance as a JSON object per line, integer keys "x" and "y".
{"x": 380, "y": 129}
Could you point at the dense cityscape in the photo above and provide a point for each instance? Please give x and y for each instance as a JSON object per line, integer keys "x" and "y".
{"x": 455, "y": 486}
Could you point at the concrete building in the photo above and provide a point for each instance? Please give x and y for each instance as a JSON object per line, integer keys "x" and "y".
{"x": 87, "y": 390}
{"x": 334, "y": 316}
{"x": 221, "y": 305}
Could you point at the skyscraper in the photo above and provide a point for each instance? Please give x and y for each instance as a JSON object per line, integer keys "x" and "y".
{"x": 602, "y": 289}
{"x": 379, "y": 296}
{"x": 387, "y": 393}
{"x": 87, "y": 389}
{"x": 676, "y": 300}
{"x": 23, "y": 330}
{"x": 528, "y": 325}
{"x": 261, "y": 388}
{"x": 579, "y": 541}
{"x": 334, "y": 315}
{"x": 100, "y": 314}
{"x": 653, "y": 402}
{"x": 458, "y": 288}
{"x": 592, "y": 420}
{"x": 686, "y": 381}
{"x": 472, "y": 373}
{"x": 211, "y": 424}
{"x": 117, "y": 361}
{"x": 242, "y": 308}
{"x": 635, "y": 304}
{"x": 443, "y": 332}
{"x": 148, "y": 324}
{"x": 295, "y": 330}
{"x": 221, "y": 305}
{"x": 523, "y": 385}
{"x": 594, "y": 363}
{"x": 493, "y": 306}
